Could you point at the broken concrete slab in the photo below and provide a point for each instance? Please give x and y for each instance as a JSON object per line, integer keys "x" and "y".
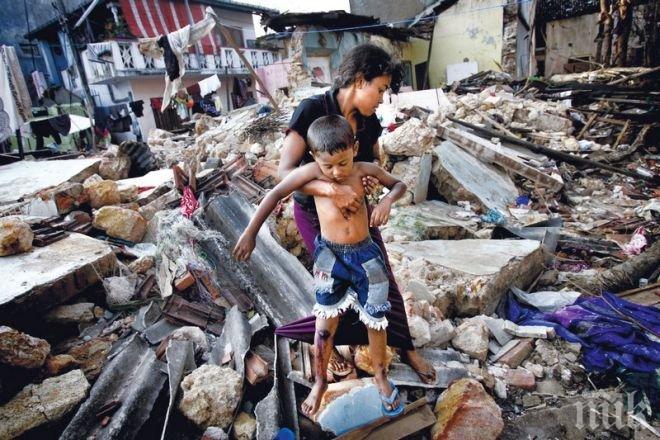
{"x": 529, "y": 331}
{"x": 32, "y": 282}
{"x": 466, "y": 412}
{"x": 211, "y": 395}
{"x": 349, "y": 404}
{"x": 412, "y": 138}
{"x": 458, "y": 176}
{"x": 415, "y": 172}
{"x": 42, "y": 403}
{"x": 134, "y": 377}
{"x": 480, "y": 271}
{"x": 429, "y": 220}
{"x": 485, "y": 150}
{"x": 21, "y": 179}
{"x": 22, "y": 350}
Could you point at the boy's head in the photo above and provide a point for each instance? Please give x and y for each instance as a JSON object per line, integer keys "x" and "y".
{"x": 333, "y": 146}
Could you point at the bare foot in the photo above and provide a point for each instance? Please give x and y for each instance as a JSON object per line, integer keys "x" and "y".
{"x": 385, "y": 389}
{"x": 424, "y": 370}
{"x": 313, "y": 400}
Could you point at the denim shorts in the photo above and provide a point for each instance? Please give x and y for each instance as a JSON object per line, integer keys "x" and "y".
{"x": 351, "y": 276}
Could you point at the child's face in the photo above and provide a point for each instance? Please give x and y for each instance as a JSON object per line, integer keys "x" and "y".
{"x": 338, "y": 166}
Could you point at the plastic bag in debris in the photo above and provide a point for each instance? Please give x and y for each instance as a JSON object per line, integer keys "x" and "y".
{"x": 613, "y": 332}
{"x": 119, "y": 290}
{"x": 546, "y": 301}
{"x": 493, "y": 216}
{"x": 142, "y": 250}
{"x": 637, "y": 242}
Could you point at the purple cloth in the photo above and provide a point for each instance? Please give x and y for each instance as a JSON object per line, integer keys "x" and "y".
{"x": 350, "y": 330}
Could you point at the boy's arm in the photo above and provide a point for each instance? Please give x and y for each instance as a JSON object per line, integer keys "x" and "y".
{"x": 294, "y": 180}
{"x": 381, "y": 213}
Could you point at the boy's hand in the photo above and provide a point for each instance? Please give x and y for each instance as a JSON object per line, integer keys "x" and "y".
{"x": 380, "y": 214}
{"x": 371, "y": 185}
{"x": 244, "y": 247}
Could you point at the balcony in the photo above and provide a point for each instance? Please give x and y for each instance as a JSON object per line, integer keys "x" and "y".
{"x": 115, "y": 60}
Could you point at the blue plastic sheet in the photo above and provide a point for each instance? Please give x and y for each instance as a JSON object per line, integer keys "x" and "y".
{"x": 614, "y": 333}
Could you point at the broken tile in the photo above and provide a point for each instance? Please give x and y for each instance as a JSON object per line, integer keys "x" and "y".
{"x": 38, "y": 404}
{"x": 256, "y": 368}
{"x": 465, "y": 411}
{"x": 22, "y": 350}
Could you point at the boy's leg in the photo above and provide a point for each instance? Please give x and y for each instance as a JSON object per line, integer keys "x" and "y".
{"x": 323, "y": 344}
{"x": 377, "y": 347}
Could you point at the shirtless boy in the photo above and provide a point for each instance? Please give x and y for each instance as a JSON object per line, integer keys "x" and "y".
{"x": 349, "y": 271}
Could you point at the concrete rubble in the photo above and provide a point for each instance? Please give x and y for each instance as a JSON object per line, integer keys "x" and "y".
{"x": 125, "y": 310}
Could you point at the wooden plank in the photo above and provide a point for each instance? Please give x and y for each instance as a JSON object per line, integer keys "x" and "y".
{"x": 586, "y": 127}
{"x": 486, "y": 150}
{"x": 365, "y": 431}
{"x": 409, "y": 424}
{"x": 621, "y": 134}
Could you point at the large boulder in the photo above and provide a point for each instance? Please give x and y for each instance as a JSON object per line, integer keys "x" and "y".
{"x": 211, "y": 395}
{"x": 15, "y": 237}
{"x": 103, "y": 193}
{"x": 466, "y": 412}
{"x": 21, "y": 350}
{"x": 115, "y": 167}
{"x": 42, "y": 403}
{"x": 121, "y": 223}
{"x": 412, "y": 138}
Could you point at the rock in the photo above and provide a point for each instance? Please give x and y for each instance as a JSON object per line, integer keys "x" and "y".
{"x": 442, "y": 332}
{"x": 472, "y": 338}
{"x": 245, "y": 427}
{"x": 21, "y": 350}
{"x": 466, "y": 412}
{"x": 412, "y": 138}
{"x": 115, "y": 168}
{"x": 214, "y": 433}
{"x": 142, "y": 264}
{"x": 537, "y": 370}
{"x": 420, "y": 291}
{"x": 56, "y": 365}
{"x": 15, "y": 236}
{"x": 94, "y": 178}
{"x": 103, "y": 193}
{"x": 91, "y": 355}
{"x": 46, "y": 402}
{"x": 121, "y": 223}
{"x": 420, "y": 330}
{"x": 211, "y": 395}
{"x": 530, "y": 400}
{"x": 71, "y": 314}
{"x": 551, "y": 387}
{"x": 457, "y": 175}
{"x": 362, "y": 358}
{"x": 415, "y": 172}
{"x": 67, "y": 196}
{"x": 128, "y": 194}
{"x": 119, "y": 290}
{"x": 194, "y": 334}
{"x": 547, "y": 353}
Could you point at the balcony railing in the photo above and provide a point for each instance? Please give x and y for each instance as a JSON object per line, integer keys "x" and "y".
{"x": 118, "y": 59}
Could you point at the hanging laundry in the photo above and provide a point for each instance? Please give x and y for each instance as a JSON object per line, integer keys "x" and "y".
{"x": 39, "y": 82}
{"x": 137, "y": 107}
{"x": 114, "y": 118}
{"x": 15, "y": 103}
{"x": 208, "y": 106}
{"x": 51, "y": 127}
{"x": 209, "y": 85}
{"x": 174, "y": 45}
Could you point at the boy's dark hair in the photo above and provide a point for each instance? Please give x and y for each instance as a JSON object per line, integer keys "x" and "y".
{"x": 330, "y": 134}
{"x": 371, "y": 61}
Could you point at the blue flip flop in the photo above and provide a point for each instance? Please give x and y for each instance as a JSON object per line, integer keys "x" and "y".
{"x": 389, "y": 401}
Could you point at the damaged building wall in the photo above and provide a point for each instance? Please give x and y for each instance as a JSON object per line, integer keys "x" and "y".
{"x": 470, "y": 30}
{"x": 569, "y": 39}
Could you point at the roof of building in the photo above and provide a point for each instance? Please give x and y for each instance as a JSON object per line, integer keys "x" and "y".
{"x": 334, "y": 20}
{"x": 46, "y": 28}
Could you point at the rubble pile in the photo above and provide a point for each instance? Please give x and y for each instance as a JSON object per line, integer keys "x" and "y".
{"x": 526, "y": 252}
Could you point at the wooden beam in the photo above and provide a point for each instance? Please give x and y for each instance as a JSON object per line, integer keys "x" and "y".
{"x": 619, "y": 138}
{"x": 586, "y": 127}
{"x": 234, "y": 46}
